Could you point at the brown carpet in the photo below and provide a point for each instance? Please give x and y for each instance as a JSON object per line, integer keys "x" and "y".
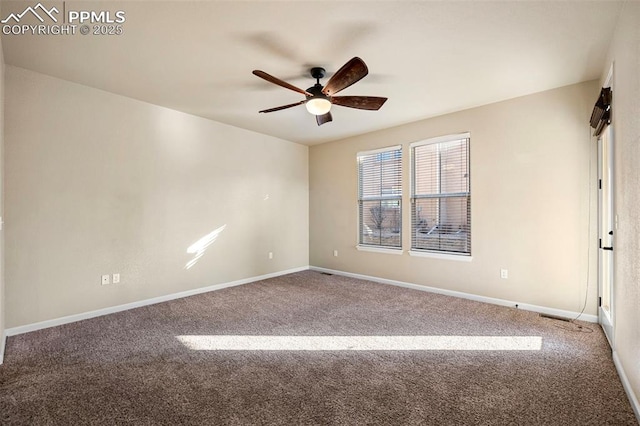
{"x": 130, "y": 367}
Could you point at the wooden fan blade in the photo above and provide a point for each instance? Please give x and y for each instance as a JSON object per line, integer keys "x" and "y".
{"x": 351, "y": 72}
{"x": 372, "y": 103}
{"x": 283, "y": 107}
{"x": 324, "y": 118}
{"x": 274, "y": 80}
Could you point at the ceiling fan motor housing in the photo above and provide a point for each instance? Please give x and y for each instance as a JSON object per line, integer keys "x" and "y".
{"x": 316, "y": 91}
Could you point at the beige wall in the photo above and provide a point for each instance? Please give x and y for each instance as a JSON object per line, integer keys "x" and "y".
{"x": 530, "y": 160}
{"x": 98, "y": 183}
{"x": 625, "y": 54}
{"x": 2, "y": 291}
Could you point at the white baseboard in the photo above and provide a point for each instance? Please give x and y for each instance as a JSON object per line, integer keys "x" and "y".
{"x": 633, "y": 399}
{"x": 494, "y": 301}
{"x": 113, "y": 309}
{"x": 3, "y": 340}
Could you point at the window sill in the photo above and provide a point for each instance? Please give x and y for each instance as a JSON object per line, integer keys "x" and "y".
{"x": 379, "y": 249}
{"x": 443, "y": 256}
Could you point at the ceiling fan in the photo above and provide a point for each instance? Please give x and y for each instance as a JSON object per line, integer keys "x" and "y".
{"x": 319, "y": 99}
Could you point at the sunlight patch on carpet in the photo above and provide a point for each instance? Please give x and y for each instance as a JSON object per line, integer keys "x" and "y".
{"x": 362, "y": 343}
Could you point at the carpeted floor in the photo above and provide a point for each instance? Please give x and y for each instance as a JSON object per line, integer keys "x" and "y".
{"x": 162, "y": 364}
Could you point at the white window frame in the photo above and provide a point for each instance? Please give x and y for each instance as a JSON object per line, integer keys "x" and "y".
{"x": 437, "y": 254}
{"x": 372, "y": 247}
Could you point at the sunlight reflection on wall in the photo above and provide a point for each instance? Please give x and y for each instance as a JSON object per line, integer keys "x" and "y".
{"x": 199, "y": 247}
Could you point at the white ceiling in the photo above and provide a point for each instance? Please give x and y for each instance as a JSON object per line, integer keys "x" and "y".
{"x": 428, "y": 57}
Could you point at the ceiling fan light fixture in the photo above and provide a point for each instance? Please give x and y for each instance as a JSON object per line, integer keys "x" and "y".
{"x": 318, "y": 105}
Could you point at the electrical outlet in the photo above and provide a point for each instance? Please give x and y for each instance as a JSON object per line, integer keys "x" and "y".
{"x": 105, "y": 279}
{"x": 270, "y": 255}
{"x": 335, "y": 253}
{"x": 116, "y": 278}
{"x": 504, "y": 273}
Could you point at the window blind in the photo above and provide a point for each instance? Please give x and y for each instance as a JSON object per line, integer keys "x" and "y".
{"x": 441, "y": 196}
{"x": 380, "y": 197}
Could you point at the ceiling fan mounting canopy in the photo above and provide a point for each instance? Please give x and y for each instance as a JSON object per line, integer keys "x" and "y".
{"x": 320, "y": 98}
{"x": 318, "y": 72}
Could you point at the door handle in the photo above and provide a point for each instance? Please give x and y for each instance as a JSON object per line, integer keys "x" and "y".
{"x": 608, "y": 248}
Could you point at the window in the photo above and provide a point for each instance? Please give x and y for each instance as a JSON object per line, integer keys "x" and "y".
{"x": 380, "y": 198}
{"x": 441, "y": 195}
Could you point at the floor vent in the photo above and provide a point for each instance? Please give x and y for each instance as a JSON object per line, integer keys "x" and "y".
{"x": 325, "y": 273}
{"x": 555, "y": 317}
